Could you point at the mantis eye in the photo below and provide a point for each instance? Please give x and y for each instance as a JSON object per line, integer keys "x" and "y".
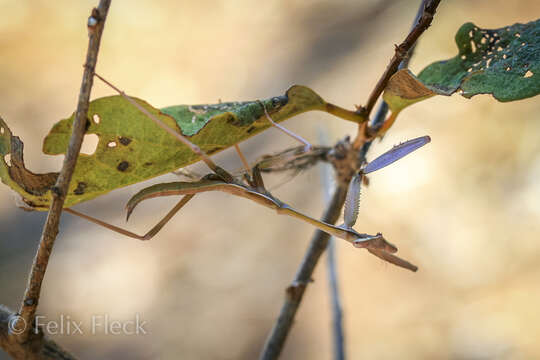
{"x": 276, "y": 102}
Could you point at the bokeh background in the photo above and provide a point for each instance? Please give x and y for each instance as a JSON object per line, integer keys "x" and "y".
{"x": 465, "y": 208}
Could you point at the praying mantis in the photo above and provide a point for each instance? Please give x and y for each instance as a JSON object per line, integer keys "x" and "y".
{"x": 253, "y": 116}
{"x": 252, "y": 188}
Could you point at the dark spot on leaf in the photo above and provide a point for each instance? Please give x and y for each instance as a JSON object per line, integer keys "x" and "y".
{"x": 123, "y": 166}
{"x": 124, "y": 141}
{"x": 80, "y": 188}
{"x": 250, "y": 130}
{"x": 233, "y": 120}
{"x": 148, "y": 163}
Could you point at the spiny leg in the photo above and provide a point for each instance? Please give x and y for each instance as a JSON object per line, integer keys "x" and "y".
{"x": 297, "y": 137}
{"x": 197, "y": 150}
{"x": 150, "y": 234}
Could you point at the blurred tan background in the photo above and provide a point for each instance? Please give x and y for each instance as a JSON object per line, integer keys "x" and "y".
{"x": 465, "y": 208}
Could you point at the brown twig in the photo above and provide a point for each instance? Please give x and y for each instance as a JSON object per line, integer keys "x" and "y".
{"x": 401, "y": 51}
{"x": 295, "y": 291}
{"x": 318, "y": 244}
{"x": 27, "y": 310}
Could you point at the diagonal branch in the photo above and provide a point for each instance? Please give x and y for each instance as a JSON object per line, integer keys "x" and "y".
{"x": 401, "y": 50}
{"x": 295, "y": 291}
{"x": 27, "y": 310}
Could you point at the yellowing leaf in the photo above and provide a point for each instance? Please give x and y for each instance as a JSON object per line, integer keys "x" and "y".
{"x": 404, "y": 89}
{"x": 132, "y": 148}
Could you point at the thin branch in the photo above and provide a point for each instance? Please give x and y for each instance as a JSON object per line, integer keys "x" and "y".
{"x": 27, "y": 310}
{"x": 295, "y": 291}
{"x": 319, "y": 242}
{"x": 380, "y": 115}
{"x": 338, "y": 332}
{"x": 401, "y": 50}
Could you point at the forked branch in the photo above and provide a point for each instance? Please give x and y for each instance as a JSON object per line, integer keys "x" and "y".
{"x": 401, "y": 52}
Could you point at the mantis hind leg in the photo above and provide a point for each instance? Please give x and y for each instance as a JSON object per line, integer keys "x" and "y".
{"x": 150, "y": 234}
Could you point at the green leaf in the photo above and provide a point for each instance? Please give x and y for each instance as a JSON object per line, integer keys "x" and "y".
{"x": 131, "y": 148}
{"x": 503, "y": 62}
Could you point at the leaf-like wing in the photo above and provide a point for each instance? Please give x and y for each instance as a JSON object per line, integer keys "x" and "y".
{"x": 352, "y": 201}
{"x": 396, "y": 153}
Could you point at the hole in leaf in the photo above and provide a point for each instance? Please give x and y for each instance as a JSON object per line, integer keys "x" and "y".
{"x": 499, "y": 48}
{"x": 488, "y": 63}
{"x": 112, "y": 144}
{"x": 508, "y": 68}
{"x": 96, "y": 118}
{"x": 469, "y": 70}
{"x": 517, "y": 35}
{"x": 504, "y": 56}
{"x": 473, "y": 47}
{"x": 7, "y": 159}
{"x": 522, "y": 44}
{"x": 90, "y": 143}
{"x": 483, "y": 41}
{"x": 463, "y": 57}
{"x": 2, "y": 130}
{"x": 471, "y": 33}
{"x": 528, "y": 74}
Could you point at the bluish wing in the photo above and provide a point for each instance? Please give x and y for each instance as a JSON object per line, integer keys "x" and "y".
{"x": 396, "y": 153}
